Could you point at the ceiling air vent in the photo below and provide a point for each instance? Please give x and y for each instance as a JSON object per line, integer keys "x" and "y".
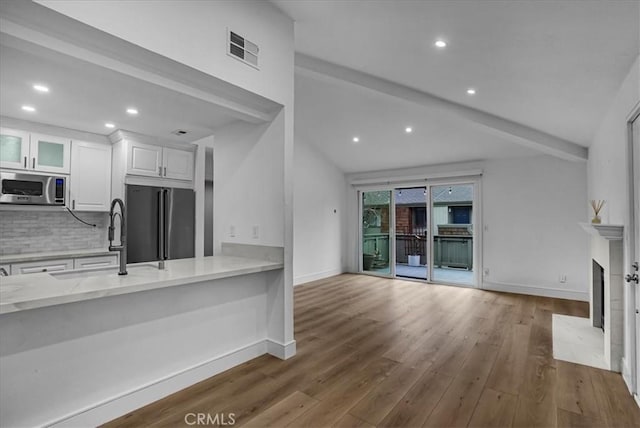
{"x": 242, "y": 49}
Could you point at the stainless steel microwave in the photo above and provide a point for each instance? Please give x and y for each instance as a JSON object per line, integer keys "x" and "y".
{"x": 31, "y": 189}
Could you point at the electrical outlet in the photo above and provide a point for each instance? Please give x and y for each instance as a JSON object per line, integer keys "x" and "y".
{"x": 562, "y": 279}
{"x": 232, "y": 231}
{"x": 486, "y": 272}
{"x": 256, "y": 231}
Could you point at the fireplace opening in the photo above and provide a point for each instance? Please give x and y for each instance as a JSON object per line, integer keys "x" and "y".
{"x": 598, "y": 295}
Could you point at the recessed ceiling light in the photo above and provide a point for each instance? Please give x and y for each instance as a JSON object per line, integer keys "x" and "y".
{"x": 356, "y": 139}
{"x": 471, "y": 91}
{"x": 30, "y": 109}
{"x": 408, "y": 130}
{"x": 109, "y": 125}
{"x": 41, "y": 88}
{"x": 132, "y": 111}
{"x": 440, "y": 43}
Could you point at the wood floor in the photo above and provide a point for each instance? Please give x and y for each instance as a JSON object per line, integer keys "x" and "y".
{"x": 379, "y": 352}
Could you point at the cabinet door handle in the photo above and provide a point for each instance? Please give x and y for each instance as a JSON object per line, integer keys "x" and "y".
{"x": 34, "y": 163}
{"x": 73, "y": 204}
{"x": 25, "y": 162}
{"x": 160, "y": 171}
{"x": 165, "y": 171}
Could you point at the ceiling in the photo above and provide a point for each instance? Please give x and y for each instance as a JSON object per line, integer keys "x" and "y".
{"x": 550, "y": 66}
{"x": 84, "y": 97}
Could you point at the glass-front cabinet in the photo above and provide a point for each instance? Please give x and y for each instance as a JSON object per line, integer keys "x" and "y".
{"x": 14, "y": 149}
{"x": 34, "y": 152}
{"x": 50, "y": 154}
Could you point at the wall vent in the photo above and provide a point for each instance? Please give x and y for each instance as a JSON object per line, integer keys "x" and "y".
{"x": 242, "y": 49}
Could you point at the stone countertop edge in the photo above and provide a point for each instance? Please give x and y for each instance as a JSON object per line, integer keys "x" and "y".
{"x": 54, "y": 255}
{"x": 72, "y": 288}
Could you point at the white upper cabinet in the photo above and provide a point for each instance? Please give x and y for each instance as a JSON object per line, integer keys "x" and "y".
{"x": 14, "y": 149}
{"x": 34, "y": 152}
{"x": 177, "y": 164}
{"x": 144, "y": 159}
{"x": 50, "y": 154}
{"x": 157, "y": 161}
{"x": 90, "y": 181}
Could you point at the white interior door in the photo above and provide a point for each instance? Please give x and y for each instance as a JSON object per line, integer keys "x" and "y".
{"x": 635, "y": 257}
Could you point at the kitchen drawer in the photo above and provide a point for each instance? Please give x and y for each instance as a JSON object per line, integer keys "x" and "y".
{"x": 95, "y": 261}
{"x": 41, "y": 266}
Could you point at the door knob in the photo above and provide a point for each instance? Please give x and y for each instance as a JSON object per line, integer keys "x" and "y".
{"x": 631, "y": 278}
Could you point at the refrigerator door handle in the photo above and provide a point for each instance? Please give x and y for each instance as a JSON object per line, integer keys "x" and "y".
{"x": 161, "y": 246}
{"x": 168, "y": 203}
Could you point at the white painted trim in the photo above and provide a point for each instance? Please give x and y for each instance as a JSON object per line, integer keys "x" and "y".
{"x": 630, "y": 250}
{"x": 626, "y": 374}
{"x": 610, "y": 232}
{"x": 303, "y": 279}
{"x": 127, "y": 401}
{"x": 637, "y": 399}
{"x": 281, "y": 350}
{"x": 416, "y": 179}
{"x": 531, "y": 290}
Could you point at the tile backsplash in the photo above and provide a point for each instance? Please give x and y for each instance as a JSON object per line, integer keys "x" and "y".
{"x": 43, "y": 231}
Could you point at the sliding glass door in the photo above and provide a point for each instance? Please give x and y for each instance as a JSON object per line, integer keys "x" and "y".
{"x": 411, "y": 233}
{"x": 453, "y": 233}
{"x": 422, "y": 232}
{"x": 376, "y": 242}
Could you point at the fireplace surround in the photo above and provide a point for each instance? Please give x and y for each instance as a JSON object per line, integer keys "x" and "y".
{"x": 607, "y": 254}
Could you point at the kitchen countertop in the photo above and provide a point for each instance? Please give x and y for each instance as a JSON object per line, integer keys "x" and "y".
{"x": 37, "y": 290}
{"x": 52, "y": 255}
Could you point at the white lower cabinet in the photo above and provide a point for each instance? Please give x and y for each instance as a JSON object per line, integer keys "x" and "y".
{"x": 41, "y": 266}
{"x": 95, "y": 262}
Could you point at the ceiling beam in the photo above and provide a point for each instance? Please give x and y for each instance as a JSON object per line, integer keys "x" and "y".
{"x": 520, "y": 134}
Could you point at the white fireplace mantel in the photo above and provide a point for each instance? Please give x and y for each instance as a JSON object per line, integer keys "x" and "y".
{"x": 611, "y": 232}
{"x": 606, "y": 250}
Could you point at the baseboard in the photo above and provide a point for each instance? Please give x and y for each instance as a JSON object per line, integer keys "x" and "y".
{"x": 128, "y": 401}
{"x": 626, "y": 374}
{"x": 281, "y": 350}
{"x": 536, "y": 291}
{"x": 303, "y": 279}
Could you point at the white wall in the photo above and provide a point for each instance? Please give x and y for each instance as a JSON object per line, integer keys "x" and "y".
{"x": 319, "y": 216}
{"x": 194, "y": 32}
{"x": 96, "y": 360}
{"x": 608, "y": 179}
{"x": 248, "y": 183}
{"x": 531, "y": 208}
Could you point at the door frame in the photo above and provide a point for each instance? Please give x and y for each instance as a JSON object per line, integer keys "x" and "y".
{"x": 476, "y": 220}
{"x": 634, "y": 293}
{"x": 429, "y": 278}
{"x": 392, "y": 227}
{"x": 391, "y": 185}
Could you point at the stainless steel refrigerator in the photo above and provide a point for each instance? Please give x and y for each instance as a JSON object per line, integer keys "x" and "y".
{"x": 160, "y": 223}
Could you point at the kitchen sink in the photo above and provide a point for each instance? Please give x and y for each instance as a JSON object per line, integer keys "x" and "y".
{"x": 106, "y": 271}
